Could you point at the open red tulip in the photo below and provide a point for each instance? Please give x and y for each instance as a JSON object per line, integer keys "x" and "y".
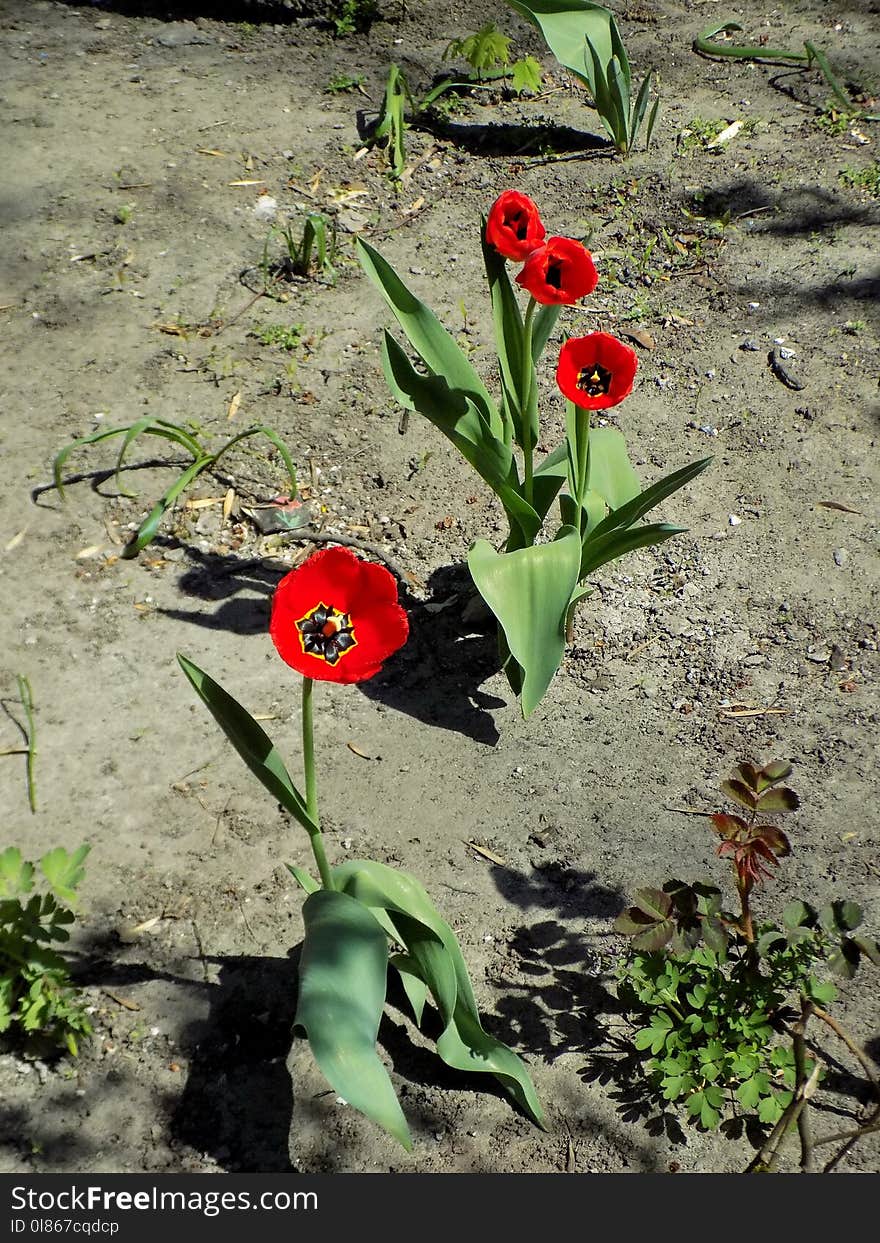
{"x": 596, "y": 371}
{"x": 336, "y": 618}
{"x": 514, "y": 227}
{"x": 559, "y": 272}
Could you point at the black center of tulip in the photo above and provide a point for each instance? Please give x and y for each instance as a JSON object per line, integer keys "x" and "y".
{"x": 595, "y": 381}
{"x": 554, "y": 276}
{"x": 326, "y": 633}
{"x": 520, "y": 225}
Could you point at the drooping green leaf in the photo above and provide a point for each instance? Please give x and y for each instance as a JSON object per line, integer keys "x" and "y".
{"x": 529, "y": 591}
{"x": 342, "y": 980}
{"x": 629, "y": 513}
{"x": 456, "y": 416}
{"x": 565, "y": 24}
{"x": 251, "y": 742}
{"x": 611, "y": 473}
{"x": 434, "y": 345}
{"x": 64, "y": 871}
{"x": 431, "y": 948}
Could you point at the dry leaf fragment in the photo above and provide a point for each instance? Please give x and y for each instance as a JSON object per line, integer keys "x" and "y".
{"x": 210, "y": 151}
{"x": 91, "y": 551}
{"x": 121, "y": 1001}
{"x": 725, "y": 136}
{"x": 487, "y": 854}
{"x": 16, "y": 540}
{"x": 233, "y": 406}
{"x": 838, "y": 505}
{"x": 357, "y": 751}
{"x": 203, "y": 502}
{"x": 738, "y": 710}
{"x": 641, "y": 336}
{"x": 228, "y": 503}
{"x": 253, "y": 181}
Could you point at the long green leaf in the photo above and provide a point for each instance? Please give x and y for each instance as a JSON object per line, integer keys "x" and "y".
{"x": 508, "y": 324}
{"x": 625, "y": 515}
{"x": 454, "y": 414}
{"x": 150, "y": 524}
{"x": 434, "y": 345}
{"x": 432, "y": 949}
{"x": 342, "y": 980}
{"x": 273, "y": 438}
{"x": 598, "y": 551}
{"x": 151, "y": 427}
{"x": 251, "y": 742}
{"x": 528, "y": 591}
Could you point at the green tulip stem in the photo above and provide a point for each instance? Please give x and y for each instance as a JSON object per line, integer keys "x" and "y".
{"x": 308, "y": 746}
{"x": 578, "y": 424}
{"x": 528, "y": 380}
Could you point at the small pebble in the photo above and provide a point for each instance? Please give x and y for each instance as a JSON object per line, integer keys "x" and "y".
{"x": 734, "y": 521}
{"x": 841, "y": 556}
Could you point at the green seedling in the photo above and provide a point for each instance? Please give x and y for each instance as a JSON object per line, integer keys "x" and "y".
{"x": 311, "y": 254}
{"x": 284, "y": 337}
{"x": 353, "y": 15}
{"x": 37, "y": 999}
{"x": 811, "y": 57}
{"x": 867, "y": 178}
{"x": 203, "y": 460}
{"x": 586, "y": 41}
{"x": 488, "y": 54}
{"x": 720, "y": 1003}
{"x": 343, "y": 82}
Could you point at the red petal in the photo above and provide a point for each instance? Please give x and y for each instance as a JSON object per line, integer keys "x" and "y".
{"x": 572, "y": 269}
{"x": 339, "y": 579}
{"x": 514, "y": 227}
{"x": 597, "y": 348}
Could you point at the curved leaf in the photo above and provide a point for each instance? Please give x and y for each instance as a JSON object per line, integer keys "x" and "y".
{"x": 433, "y": 953}
{"x": 610, "y": 471}
{"x": 251, "y": 742}
{"x": 431, "y": 341}
{"x": 342, "y": 980}
{"x": 565, "y": 24}
{"x": 529, "y": 591}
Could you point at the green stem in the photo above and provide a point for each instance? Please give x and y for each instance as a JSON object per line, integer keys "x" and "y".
{"x": 528, "y": 380}
{"x": 308, "y": 746}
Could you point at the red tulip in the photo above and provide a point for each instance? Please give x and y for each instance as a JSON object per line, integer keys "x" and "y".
{"x": 596, "y": 371}
{"x": 336, "y": 617}
{"x": 559, "y": 272}
{"x": 514, "y": 227}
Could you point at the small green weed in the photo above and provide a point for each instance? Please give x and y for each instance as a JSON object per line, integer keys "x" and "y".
{"x": 285, "y": 337}
{"x": 353, "y": 15}
{"x": 867, "y": 178}
{"x": 37, "y": 998}
{"x": 311, "y": 254}
{"x": 343, "y": 82}
{"x": 720, "y": 1003}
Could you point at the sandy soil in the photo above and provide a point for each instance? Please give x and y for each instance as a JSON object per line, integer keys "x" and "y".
{"x": 139, "y": 154}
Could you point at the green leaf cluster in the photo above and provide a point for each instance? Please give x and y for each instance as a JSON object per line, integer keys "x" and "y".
{"x": 351, "y": 927}
{"x": 708, "y": 1027}
{"x": 204, "y": 459}
{"x": 36, "y": 996}
{"x": 533, "y": 584}
{"x": 585, "y": 39}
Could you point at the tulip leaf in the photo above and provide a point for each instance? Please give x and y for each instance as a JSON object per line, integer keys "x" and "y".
{"x": 251, "y": 742}
{"x": 150, "y": 524}
{"x": 610, "y": 471}
{"x": 529, "y": 592}
{"x": 431, "y": 341}
{"x": 508, "y": 335}
{"x": 304, "y": 879}
{"x": 599, "y": 549}
{"x": 413, "y": 985}
{"x": 629, "y": 513}
{"x": 565, "y": 24}
{"x": 452, "y": 412}
{"x": 342, "y": 981}
{"x": 434, "y": 955}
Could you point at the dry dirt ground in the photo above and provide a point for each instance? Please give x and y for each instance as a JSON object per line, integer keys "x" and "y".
{"x": 142, "y": 146}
